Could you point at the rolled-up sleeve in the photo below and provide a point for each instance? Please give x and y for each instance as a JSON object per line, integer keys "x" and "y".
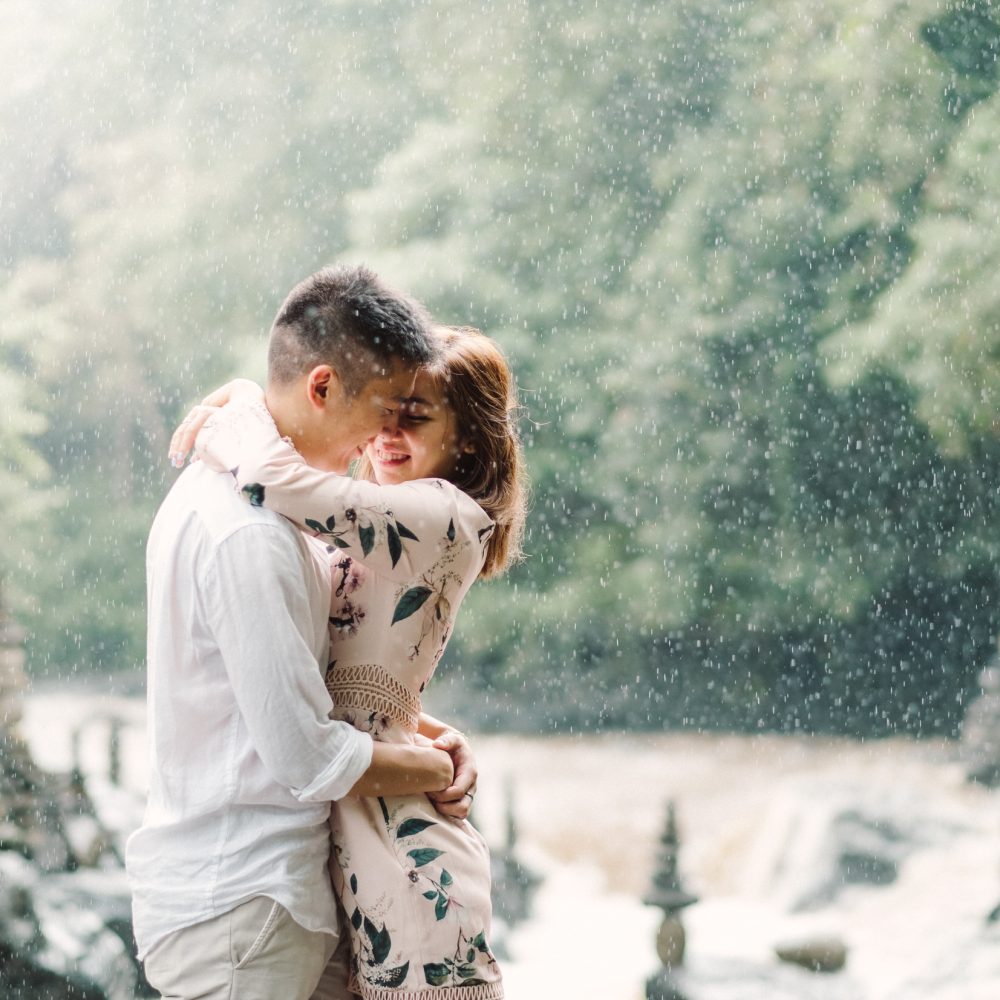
{"x": 257, "y": 606}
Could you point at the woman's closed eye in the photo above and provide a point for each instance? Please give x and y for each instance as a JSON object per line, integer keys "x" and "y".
{"x": 412, "y": 418}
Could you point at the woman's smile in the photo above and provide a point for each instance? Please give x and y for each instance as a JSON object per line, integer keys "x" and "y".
{"x": 420, "y": 440}
{"x": 392, "y": 459}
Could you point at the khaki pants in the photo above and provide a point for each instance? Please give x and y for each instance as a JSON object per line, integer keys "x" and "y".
{"x": 332, "y": 984}
{"x": 254, "y": 952}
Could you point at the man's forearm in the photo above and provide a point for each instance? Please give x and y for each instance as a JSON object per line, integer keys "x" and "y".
{"x": 402, "y": 769}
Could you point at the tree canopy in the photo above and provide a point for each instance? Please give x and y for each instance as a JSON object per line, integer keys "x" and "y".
{"x": 739, "y": 254}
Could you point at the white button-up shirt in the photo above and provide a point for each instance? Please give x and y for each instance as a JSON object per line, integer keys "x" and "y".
{"x": 244, "y": 760}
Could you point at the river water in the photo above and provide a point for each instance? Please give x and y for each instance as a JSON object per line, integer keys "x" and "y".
{"x": 881, "y": 845}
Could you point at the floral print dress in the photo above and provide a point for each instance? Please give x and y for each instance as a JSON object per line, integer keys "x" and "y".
{"x": 415, "y": 885}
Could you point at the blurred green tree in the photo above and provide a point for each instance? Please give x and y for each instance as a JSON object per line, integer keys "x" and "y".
{"x": 740, "y": 256}
{"x": 177, "y": 170}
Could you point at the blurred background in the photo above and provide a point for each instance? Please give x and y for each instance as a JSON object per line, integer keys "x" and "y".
{"x": 743, "y": 257}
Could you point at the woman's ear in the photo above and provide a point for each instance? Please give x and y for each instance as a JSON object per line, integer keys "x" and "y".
{"x": 468, "y": 448}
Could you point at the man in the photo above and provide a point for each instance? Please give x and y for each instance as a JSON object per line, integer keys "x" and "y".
{"x": 231, "y": 896}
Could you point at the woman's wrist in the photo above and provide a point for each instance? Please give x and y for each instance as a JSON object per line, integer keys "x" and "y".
{"x": 435, "y": 728}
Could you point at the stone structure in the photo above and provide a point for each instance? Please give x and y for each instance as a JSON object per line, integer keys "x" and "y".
{"x": 13, "y": 681}
{"x": 514, "y": 884}
{"x": 980, "y": 745}
{"x": 669, "y": 895}
{"x": 29, "y": 822}
{"x": 33, "y": 803}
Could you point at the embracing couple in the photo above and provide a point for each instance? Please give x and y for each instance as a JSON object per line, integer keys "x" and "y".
{"x": 295, "y": 616}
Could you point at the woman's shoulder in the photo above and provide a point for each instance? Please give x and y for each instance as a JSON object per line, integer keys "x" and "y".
{"x": 465, "y": 516}
{"x": 441, "y": 491}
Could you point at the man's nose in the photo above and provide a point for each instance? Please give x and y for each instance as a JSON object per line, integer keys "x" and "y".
{"x": 390, "y": 424}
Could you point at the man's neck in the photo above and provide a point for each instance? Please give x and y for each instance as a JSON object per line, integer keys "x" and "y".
{"x": 283, "y": 413}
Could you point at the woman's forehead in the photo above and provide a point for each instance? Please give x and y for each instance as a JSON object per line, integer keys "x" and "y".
{"x": 426, "y": 391}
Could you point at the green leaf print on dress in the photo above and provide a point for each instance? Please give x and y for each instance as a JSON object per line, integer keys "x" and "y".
{"x": 404, "y": 531}
{"x": 471, "y": 956}
{"x": 460, "y": 968}
{"x": 366, "y": 534}
{"x": 370, "y": 524}
{"x": 254, "y": 492}
{"x": 413, "y": 826}
{"x": 410, "y": 603}
{"x": 423, "y": 856}
{"x": 432, "y": 595}
{"x": 379, "y": 939}
{"x": 375, "y": 947}
{"x": 372, "y": 948}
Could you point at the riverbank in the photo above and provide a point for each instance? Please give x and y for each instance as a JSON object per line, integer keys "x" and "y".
{"x": 883, "y": 845}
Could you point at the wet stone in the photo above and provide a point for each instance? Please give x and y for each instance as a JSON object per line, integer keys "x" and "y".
{"x": 816, "y": 954}
{"x": 980, "y": 742}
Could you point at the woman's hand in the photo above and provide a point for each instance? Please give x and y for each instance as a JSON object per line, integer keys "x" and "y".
{"x": 456, "y": 800}
{"x": 238, "y": 390}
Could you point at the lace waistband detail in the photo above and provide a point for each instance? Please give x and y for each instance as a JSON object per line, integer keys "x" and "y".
{"x": 367, "y": 687}
{"x": 483, "y": 991}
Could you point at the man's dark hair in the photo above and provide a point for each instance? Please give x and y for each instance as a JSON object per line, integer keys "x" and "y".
{"x": 348, "y": 318}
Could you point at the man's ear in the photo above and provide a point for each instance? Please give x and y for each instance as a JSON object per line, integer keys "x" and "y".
{"x": 322, "y": 384}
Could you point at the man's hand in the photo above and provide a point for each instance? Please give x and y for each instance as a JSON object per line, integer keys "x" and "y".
{"x": 456, "y": 800}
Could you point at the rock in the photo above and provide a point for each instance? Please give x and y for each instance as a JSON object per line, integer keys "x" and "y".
{"x": 980, "y": 742}
{"x": 663, "y": 986}
{"x": 64, "y": 936}
{"x": 854, "y": 844}
{"x": 65, "y": 919}
{"x": 871, "y": 848}
{"x": 816, "y": 954}
{"x": 670, "y": 941}
{"x": 19, "y": 928}
{"x": 715, "y": 977}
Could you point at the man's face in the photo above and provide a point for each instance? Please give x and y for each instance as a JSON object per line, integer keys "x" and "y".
{"x": 350, "y": 422}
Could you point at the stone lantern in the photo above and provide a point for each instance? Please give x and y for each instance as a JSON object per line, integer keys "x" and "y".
{"x": 979, "y": 747}
{"x": 13, "y": 681}
{"x": 668, "y": 894}
{"x": 514, "y": 884}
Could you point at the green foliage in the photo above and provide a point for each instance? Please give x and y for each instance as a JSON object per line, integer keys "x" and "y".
{"x": 176, "y": 170}
{"x": 741, "y": 256}
{"x": 26, "y": 493}
{"x": 720, "y": 535}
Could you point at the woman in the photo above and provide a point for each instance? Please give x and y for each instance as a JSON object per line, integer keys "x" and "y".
{"x": 441, "y": 503}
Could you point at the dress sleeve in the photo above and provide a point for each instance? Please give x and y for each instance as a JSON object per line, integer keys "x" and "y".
{"x": 398, "y": 531}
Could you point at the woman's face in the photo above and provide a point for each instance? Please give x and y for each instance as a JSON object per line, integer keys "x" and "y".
{"x": 422, "y": 443}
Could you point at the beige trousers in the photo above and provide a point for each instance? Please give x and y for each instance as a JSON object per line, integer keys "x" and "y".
{"x": 254, "y": 952}
{"x": 332, "y": 984}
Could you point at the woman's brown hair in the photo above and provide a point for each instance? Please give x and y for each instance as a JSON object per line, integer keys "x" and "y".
{"x": 479, "y": 390}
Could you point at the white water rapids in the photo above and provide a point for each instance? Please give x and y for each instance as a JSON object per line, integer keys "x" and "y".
{"x": 762, "y": 820}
